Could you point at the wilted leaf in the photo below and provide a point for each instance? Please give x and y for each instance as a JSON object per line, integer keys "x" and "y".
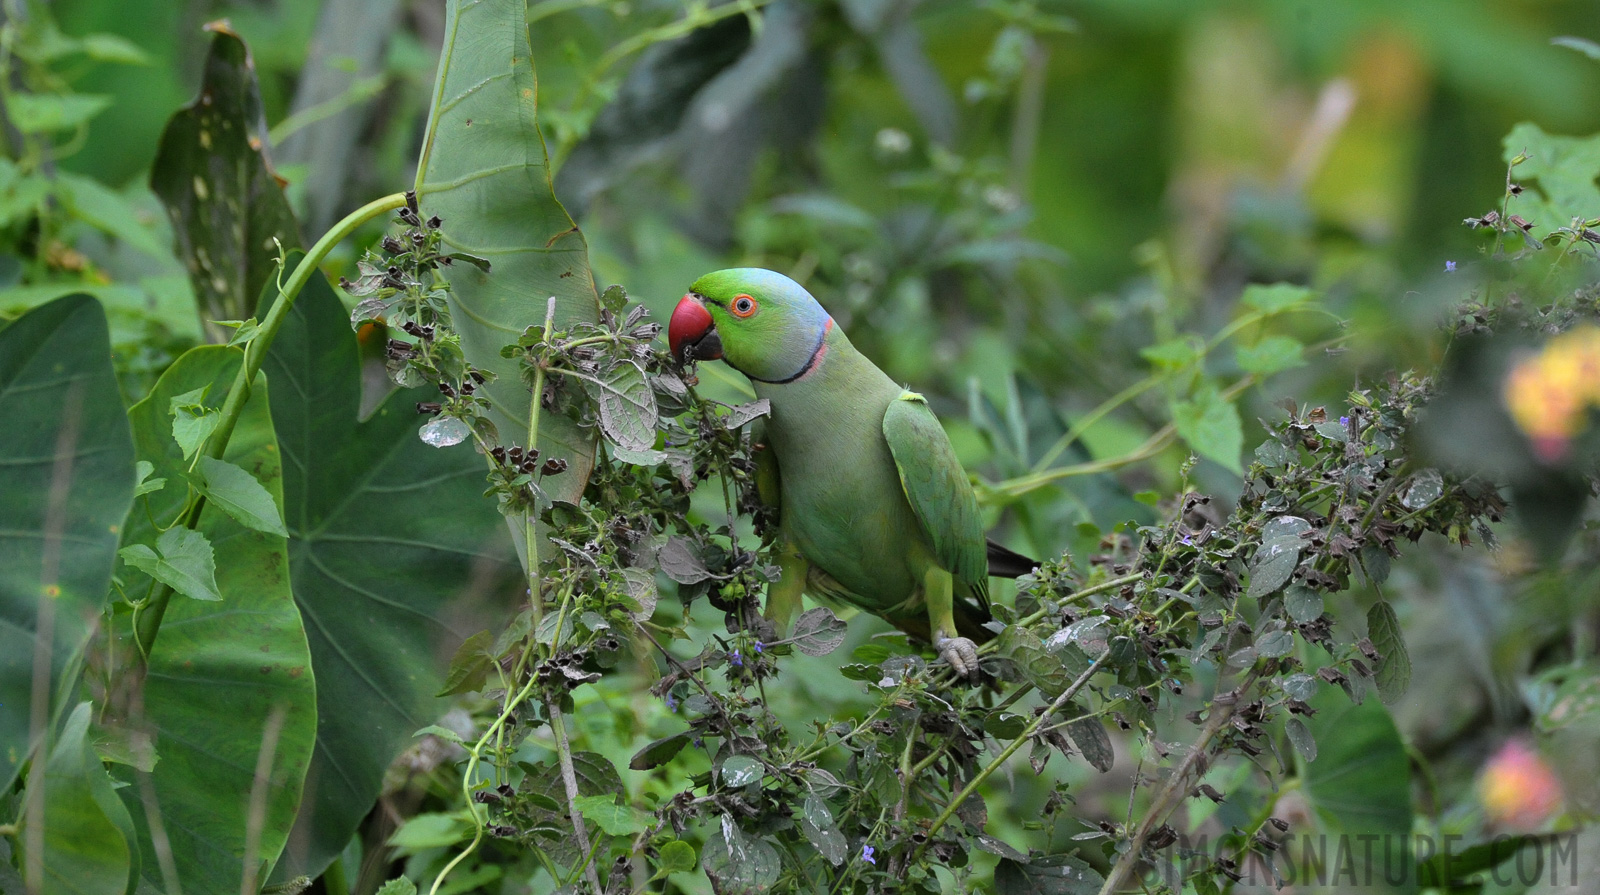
{"x": 627, "y": 407}
{"x": 1091, "y": 738}
{"x": 213, "y": 174}
{"x": 680, "y": 562}
{"x": 741, "y": 414}
{"x": 659, "y": 752}
{"x": 818, "y": 632}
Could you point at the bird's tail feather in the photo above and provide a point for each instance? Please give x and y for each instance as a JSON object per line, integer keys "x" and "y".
{"x": 1007, "y": 563}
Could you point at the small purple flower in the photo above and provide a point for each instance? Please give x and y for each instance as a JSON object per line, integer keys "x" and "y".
{"x": 672, "y": 703}
{"x": 735, "y": 659}
{"x": 866, "y": 854}
{"x": 1344, "y": 421}
{"x": 699, "y": 743}
{"x": 1449, "y": 267}
{"x": 759, "y": 647}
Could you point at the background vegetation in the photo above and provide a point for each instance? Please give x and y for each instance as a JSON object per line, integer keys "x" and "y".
{"x": 1118, "y": 245}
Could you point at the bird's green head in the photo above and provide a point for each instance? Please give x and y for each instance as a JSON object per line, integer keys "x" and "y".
{"x": 762, "y": 323}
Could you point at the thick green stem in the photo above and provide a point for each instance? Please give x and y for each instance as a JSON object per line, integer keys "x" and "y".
{"x": 255, "y": 352}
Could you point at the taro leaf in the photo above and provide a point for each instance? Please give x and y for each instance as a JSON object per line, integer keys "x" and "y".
{"x": 1209, "y": 424}
{"x": 385, "y": 532}
{"x": 246, "y": 654}
{"x": 737, "y": 863}
{"x": 213, "y": 174}
{"x": 614, "y": 819}
{"x": 659, "y": 752}
{"x": 818, "y": 632}
{"x": 485, "y": 172}
{"x": 239, "y": 495}
{"x": 1360, "y": 782}
{"x": 1090, "y": 736}
{"x": 182, "y": 560}
{"x": 1394, "y": 663}
{"x": 681, "y": 562}
{"x": 1046, "y": 875}
{"x": 741, "y": 414}
{"x": 1300, "y": 736}
{"x": 66, "y": 483}
{"x": 817, "y": 823}
{"x": 87, "y": 831}
{"x": 627, "y": 407}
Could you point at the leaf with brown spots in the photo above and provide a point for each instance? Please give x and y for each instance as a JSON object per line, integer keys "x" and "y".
{"x": 226, "y": 203}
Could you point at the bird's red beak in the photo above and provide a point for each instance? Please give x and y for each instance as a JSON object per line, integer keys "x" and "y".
{"x": 691, "y": 333}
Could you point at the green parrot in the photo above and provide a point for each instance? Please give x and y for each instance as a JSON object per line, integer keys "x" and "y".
{"x": 874, "y": 509}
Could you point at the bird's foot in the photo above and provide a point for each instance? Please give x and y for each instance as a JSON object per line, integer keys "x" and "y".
{"x": 960, "y": 653}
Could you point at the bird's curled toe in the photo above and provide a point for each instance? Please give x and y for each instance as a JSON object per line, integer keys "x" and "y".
{"x": 960, "y": 653}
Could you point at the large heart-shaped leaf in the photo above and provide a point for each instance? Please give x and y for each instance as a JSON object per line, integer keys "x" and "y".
{"x": 66, "y": 482}
{"x": 213, "y": 174}
{"x": 227, "y": 680}
{"x": 484, "y": 170}
{"x": 385, "y": 533}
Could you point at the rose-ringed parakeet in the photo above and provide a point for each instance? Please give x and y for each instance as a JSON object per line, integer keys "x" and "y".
{"x": 874, "y": 508}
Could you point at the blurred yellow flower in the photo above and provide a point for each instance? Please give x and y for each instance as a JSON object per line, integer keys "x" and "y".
{"x": 1549, "y": 394}
{"x": 1517, "y": 788}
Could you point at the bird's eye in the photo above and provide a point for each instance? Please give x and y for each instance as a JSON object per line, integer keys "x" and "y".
{"x": 743, "y": 306}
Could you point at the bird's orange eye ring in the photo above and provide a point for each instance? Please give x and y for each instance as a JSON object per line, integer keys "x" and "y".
{"x": 743, "y": 305}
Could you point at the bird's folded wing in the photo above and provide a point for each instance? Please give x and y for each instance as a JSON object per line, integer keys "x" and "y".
{"x": 938, "y": 490}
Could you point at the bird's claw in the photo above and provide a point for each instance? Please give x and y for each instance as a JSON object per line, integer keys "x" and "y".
{"x": 960, "y": 653}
